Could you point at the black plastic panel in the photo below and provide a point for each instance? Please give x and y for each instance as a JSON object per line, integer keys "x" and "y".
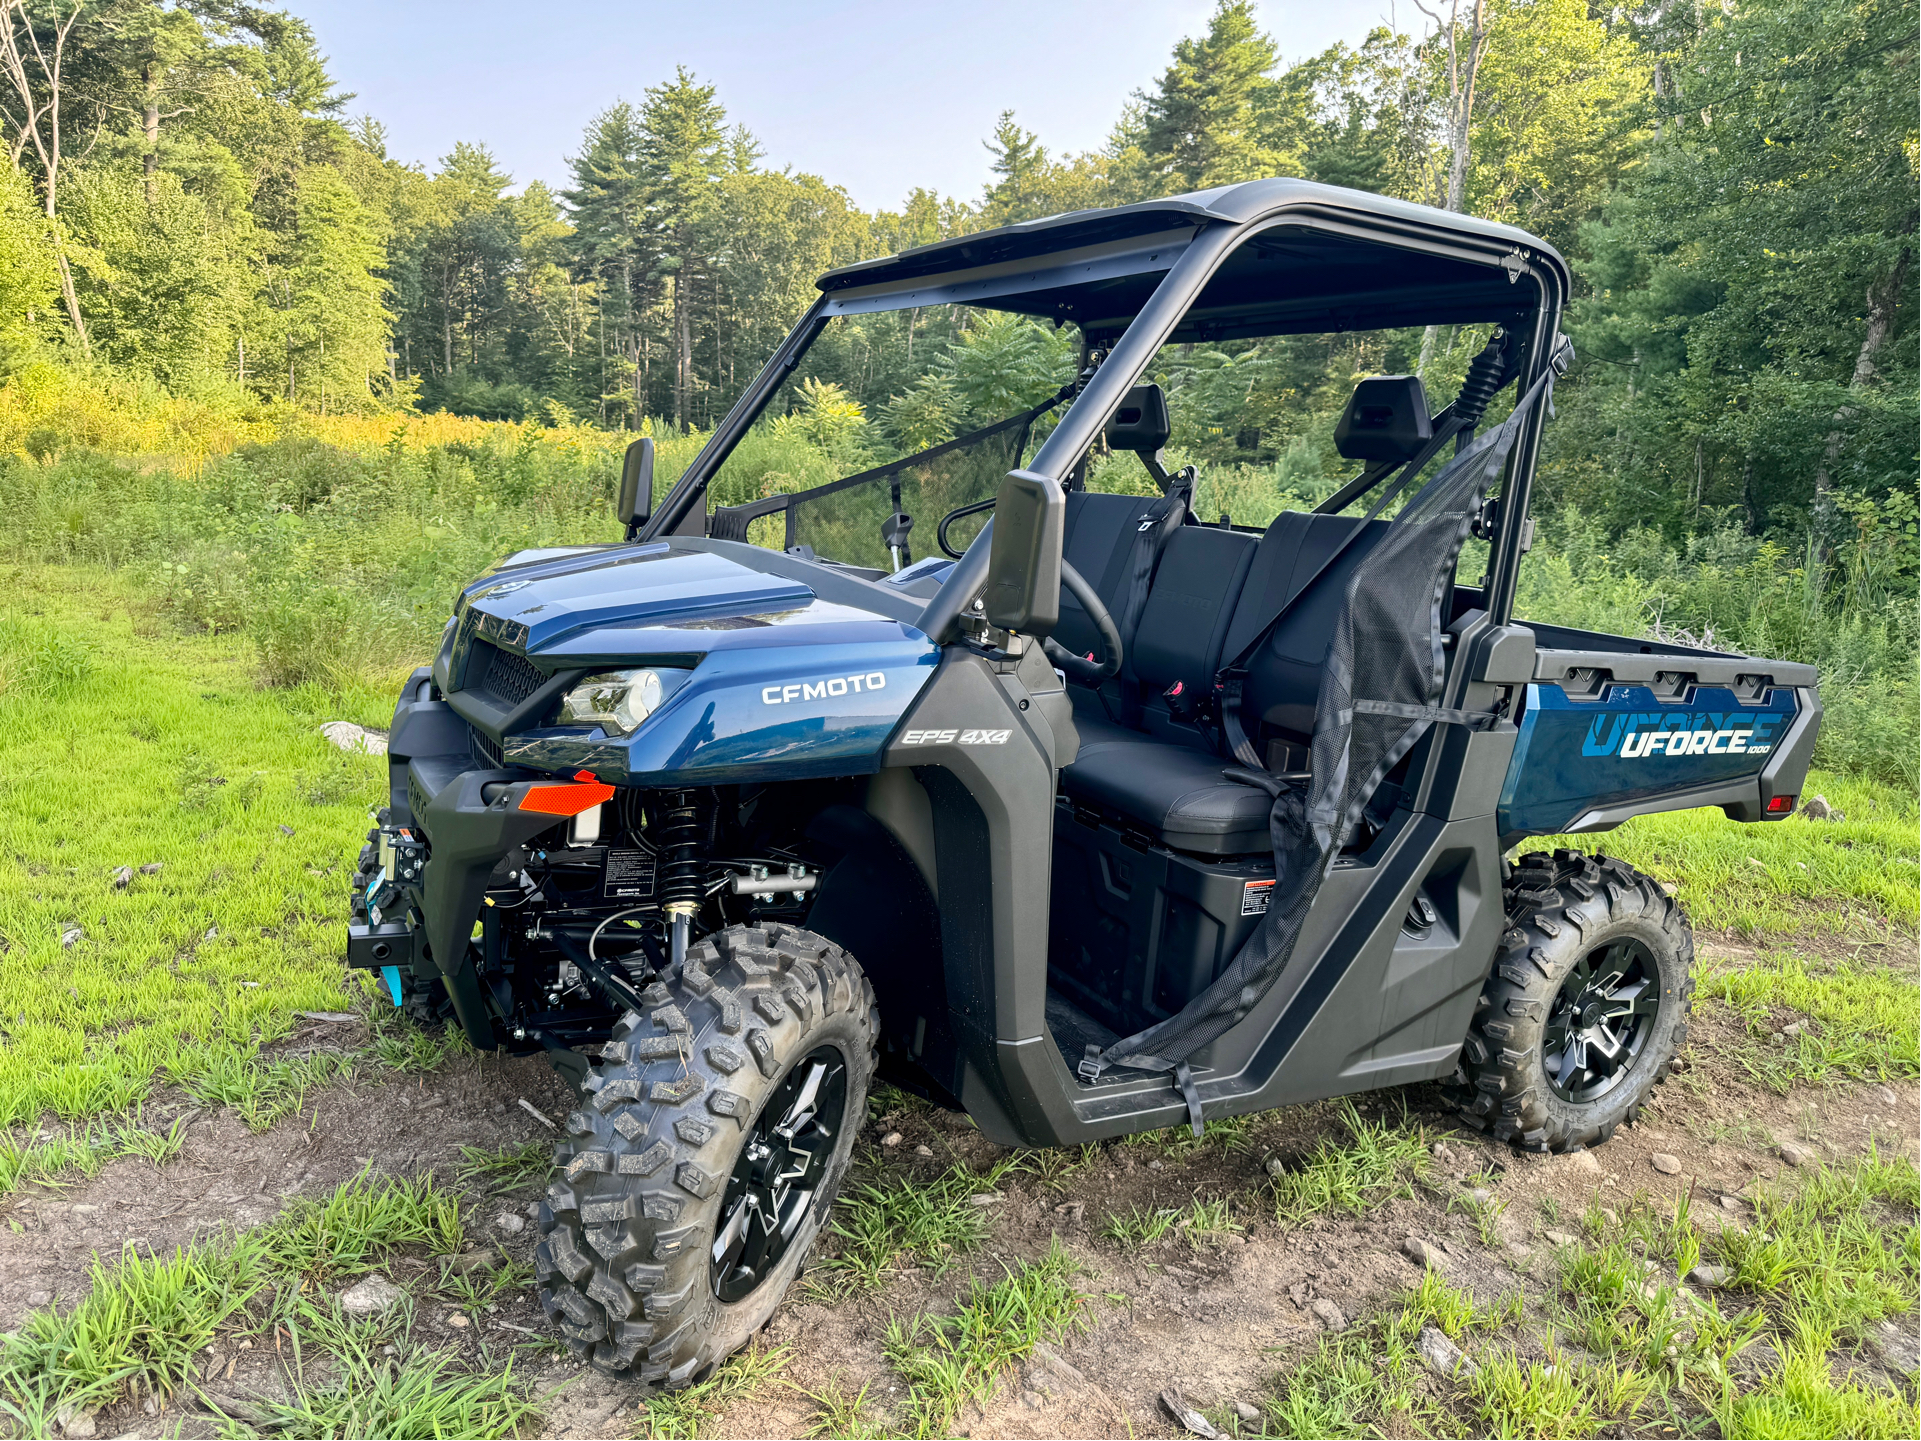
{"x": 1137, "y": 931}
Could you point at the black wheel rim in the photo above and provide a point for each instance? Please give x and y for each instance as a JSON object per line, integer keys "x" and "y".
{"x": 1601, "y": 1019}
{"x": 782, "y": 1165}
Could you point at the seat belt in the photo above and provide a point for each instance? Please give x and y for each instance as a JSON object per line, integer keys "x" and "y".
{"x": 1230, "y": 680}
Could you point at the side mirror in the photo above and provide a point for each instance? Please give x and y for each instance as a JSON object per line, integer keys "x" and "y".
{"x": 636, "y": 499}
{"x": 1023, "y": 591}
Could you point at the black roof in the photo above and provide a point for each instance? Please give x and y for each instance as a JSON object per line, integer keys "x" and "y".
{"x": 1325, "y": 258}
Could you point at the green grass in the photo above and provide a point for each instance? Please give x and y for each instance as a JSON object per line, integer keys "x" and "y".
{"x": 261, "y": 1091}
{"x": 1800, "y": 1398}
{"x": 155, "y": 747}
{"x": 361, "y": 1222}
{"x": 697, "y": 1410}
{"x": 145, "y": 1320}
{"x": 378, "y": 1383}
{"x": 84, "y": 1150}
{"x": 1369, "y": 1380}
{"x": 1198, "y": 1223}
{"x": 1227, "y": 1134}
{"x": 140, "y": 1327}
{"x": 842, "y": 1414}
{"x": 1630, "y": 1350}
{"x": 948, "y": 1361}
{"x": 1859, "y": 1019}
{"x": 1778, "y": 879}
{"x": 401, "y": 1046}
{"x": 883, "y": 1226}
{"x": 506, "y": 1168}
{"x": 1374, "y": 1163}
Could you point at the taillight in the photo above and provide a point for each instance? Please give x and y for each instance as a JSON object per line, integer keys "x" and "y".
{"x": 1780, "y": 805}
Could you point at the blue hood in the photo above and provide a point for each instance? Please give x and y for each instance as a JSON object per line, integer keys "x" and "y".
{"x": 780, "y": 683}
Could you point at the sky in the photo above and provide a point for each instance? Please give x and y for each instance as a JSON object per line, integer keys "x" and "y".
{"x": 876, "y": 97}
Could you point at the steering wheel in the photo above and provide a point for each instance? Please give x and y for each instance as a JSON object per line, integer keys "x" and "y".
{"x": 1077, "y": 666}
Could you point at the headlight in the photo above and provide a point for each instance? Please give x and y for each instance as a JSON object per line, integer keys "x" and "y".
{"x": 617, "y": 701}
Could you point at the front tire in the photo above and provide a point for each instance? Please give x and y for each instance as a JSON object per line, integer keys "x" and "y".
{"x": 715, "y": 1135}
{"x": 1586, "y": 1007}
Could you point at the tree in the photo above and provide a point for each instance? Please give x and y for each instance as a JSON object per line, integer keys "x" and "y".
{"x": 1750, "y": 282}
{"x": 33, "y": 56}
{"x": 1201, "y": 125}
{"x": 1562, "y": 109}
{"x": 605, "y": 206}
{"x": 164, "y": 284}
{"x": 336, "y": 324}
{"x": 28, "y": 277}
{"x": 682, "y": 128}
{"x": 1021, "y": 162}
{"x": 1462, "y": 72}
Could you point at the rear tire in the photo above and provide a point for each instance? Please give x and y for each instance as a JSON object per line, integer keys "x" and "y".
{"x": 679, "y": 1136}
{"x": 1586, "y": 1007}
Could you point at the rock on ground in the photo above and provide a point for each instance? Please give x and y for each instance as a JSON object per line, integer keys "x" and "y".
{"x": 1329, "y": 1314}
{"x": 370, "y": 1296}
{"x": 1420, "y": 1252}
{"x": 1442, "y": 1356}
{"x": 1186, "y": 1415}
{"x": 350, "y": 737}
{"x": 1796, "y": 1154}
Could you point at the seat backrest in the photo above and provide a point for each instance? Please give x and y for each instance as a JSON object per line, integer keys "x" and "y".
{"x": 1099, "y": 543}
{"x": 1284, "y": 675}
{"x": 1184, "y": 624}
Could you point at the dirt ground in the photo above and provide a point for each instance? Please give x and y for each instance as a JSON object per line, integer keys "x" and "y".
{"x": 1218, "y": 1321}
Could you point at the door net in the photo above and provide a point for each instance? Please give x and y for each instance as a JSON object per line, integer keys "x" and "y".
{"x": 1378, "y": 696}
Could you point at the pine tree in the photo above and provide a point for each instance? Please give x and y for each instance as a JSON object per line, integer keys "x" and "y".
{"x": 605, "y": 205}
{"x": 682, "y": 156}
{"x": 1020, "y": 160}
{"x": 1201, "y": 125}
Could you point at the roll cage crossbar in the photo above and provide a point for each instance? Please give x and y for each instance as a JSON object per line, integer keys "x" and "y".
{"x": 1265, "y": 257}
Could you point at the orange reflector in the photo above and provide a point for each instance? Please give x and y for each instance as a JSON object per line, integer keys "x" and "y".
{"x": 1780, "y": 805}
{"x": 566, "y": 800}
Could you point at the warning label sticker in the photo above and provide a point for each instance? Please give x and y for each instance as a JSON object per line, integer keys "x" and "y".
{"x": 629, "y": 876}
{"x": 1254, "y": 897}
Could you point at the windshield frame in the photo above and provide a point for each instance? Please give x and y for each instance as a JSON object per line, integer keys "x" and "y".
{"x": 1133, "y": 350}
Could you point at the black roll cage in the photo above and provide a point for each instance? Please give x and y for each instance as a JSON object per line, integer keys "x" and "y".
{"x": 1199, "y": 234}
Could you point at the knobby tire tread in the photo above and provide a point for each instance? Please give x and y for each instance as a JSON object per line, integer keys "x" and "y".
{"x": 1554, "y": 905}
{"x": 622, "y": 1266}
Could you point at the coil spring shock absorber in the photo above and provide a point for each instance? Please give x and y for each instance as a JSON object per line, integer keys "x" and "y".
{"x": 677, "y": 832}
{"x": 1484, "y": 376}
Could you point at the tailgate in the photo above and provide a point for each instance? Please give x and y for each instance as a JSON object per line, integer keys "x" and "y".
{"x": 1608, "y": 734}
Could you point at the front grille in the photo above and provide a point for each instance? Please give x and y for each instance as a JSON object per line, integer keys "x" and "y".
{"x": 487, "y": 752}
{"x": 509, "y": 679}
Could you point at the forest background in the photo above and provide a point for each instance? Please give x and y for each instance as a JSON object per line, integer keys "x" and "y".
{"x": 286, "y": 384}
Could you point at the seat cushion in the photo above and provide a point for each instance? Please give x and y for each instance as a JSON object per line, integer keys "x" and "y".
{"x": 1176, "y": 792}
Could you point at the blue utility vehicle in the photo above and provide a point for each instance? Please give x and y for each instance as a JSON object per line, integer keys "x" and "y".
{"x": 1094, "y": 816}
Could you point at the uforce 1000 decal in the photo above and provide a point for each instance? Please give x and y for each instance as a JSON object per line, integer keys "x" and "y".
{"x": 1649, "y": 734}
